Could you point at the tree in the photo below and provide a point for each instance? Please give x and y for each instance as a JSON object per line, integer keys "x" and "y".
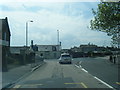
{"x": 107, "y": 19}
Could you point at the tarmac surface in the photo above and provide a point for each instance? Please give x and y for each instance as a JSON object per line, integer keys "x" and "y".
{"x": 15, "y": 74}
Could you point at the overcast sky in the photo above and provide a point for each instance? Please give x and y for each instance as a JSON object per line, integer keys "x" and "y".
{"x": 70, "y": 18}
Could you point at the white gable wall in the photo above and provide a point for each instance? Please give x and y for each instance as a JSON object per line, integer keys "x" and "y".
{"x": 49, "y": 51}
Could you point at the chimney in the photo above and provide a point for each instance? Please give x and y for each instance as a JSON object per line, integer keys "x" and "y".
{"x": 31, "y": 42}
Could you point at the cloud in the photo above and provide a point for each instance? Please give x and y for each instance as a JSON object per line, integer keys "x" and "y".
{"x": 39, "y": 1}
{"x": 70, "y": 19}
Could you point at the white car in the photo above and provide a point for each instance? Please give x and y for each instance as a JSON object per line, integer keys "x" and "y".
{"x": 65, "y": 58}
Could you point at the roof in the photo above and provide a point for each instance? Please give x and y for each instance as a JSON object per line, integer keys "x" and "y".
{"x": 88, "y": 45}
{"x": 4, "y": 24}
{"x": 48, "y": 45}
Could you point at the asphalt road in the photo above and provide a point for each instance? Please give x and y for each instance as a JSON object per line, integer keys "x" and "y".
{"x": 101, "y": 68}
{"x": 55, "y": 75}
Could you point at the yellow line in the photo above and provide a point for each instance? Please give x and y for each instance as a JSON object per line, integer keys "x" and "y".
{"x": 17, "y": 86}
{"x": 72, "y": 83}
{"x": 118, "y": 83}
{"x": 78, "y": 83}
{"x": 84, "y": 85}
{"x": 32, "y": 84}
{"x": 38, "y": 84}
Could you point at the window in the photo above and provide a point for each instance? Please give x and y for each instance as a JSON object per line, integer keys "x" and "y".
{"x": 54, "y": 48}
{"x": 65, "y": 55}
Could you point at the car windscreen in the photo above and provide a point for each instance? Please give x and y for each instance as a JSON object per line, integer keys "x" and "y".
{"x": 65, "y": 55}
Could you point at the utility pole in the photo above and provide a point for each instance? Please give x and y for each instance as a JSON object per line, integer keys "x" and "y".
{"x": 58, "y": 37}
{"x": 27, "y": 32}
{"x": 25, "y": 52}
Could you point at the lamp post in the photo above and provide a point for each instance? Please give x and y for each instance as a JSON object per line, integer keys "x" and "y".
{"x": 27, "y": 32}
{"x": 25, "y": 53}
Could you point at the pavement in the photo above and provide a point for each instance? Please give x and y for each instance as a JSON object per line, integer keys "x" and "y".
{"x": 15, "y": 74}
{"x": 107, "y": 58}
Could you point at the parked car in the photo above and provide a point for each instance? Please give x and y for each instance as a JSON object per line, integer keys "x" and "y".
{"x": 65, "y": 58}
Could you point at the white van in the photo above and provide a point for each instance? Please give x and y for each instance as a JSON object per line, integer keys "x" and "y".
{"x": 65, "y": 58}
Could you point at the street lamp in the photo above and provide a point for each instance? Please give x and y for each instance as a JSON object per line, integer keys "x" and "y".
{"x": 25, "y": 54}
{"x": 27, "y": 32}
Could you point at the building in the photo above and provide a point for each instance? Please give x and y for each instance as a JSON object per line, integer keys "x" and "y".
{"x": 88, "y": 48}
{"x": 4, "y": 42}
{"x": 65, "y": 50}
{"x": 75, "y": 49}
{"x": 49, "y": 51}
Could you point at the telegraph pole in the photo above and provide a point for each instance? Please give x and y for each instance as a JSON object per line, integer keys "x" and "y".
{"x": 27, "y": 32}
{"x": 58, "y": 37}
{"x": 25, "y": 53}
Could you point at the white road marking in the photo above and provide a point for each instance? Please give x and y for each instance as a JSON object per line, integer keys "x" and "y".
{"x": 80, "y": 66}
{"x": 103, "y": 82}
{"x": 84, "y": 70}
{"x": 80, "y": 62}
{"x": 94, "y": 76}
{"x": 77, "y": 66}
